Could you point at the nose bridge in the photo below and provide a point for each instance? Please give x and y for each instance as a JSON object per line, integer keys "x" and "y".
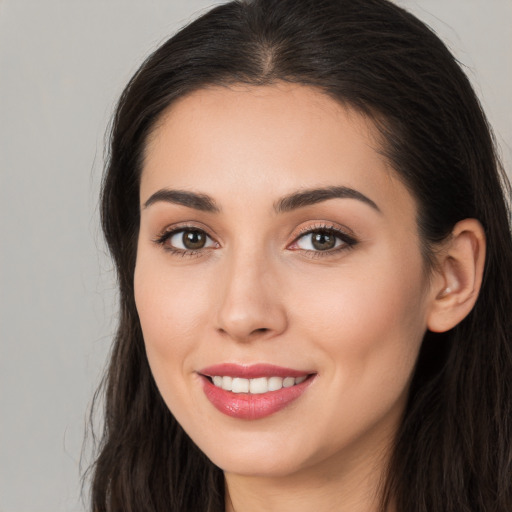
{"x": 250, "y": 306}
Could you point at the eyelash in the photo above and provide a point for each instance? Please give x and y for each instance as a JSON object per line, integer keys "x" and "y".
{"x": 347, "y": 241}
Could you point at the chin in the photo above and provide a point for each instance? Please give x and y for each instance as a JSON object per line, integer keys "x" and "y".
{"x": 267, "y": 465}
{"x": 261, "y": 453}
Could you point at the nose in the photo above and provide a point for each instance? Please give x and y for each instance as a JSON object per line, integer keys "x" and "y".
{"x": 250, "y": 305}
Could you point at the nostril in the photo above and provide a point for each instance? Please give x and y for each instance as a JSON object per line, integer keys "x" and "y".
{"x": 261, "y": 330}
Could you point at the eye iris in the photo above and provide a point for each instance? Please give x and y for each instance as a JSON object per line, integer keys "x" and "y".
{"x": 194, "y": 239}
{"x": 323, "y": 241}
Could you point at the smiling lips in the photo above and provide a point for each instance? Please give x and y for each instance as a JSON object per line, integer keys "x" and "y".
{"x": 253, "y": 392}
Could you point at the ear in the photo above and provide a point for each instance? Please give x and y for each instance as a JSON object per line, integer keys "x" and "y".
{"x": 458, "y": 276}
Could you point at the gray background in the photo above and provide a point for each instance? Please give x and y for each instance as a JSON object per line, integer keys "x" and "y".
{"x": 62, "y": 66}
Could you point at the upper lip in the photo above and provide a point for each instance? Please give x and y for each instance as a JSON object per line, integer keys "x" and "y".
{"x": 252, "y": 371}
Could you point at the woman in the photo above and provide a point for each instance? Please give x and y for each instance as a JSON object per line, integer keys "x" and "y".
{"x": 315, "y": 263}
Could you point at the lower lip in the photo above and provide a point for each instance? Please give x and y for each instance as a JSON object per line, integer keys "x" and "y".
{"x": 247, "y": 406}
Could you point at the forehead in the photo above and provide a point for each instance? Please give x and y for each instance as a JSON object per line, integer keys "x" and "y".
{"x": 265, "y": 139}
{"x": 283, "y": 114}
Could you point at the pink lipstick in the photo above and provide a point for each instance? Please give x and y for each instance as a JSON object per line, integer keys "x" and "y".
{"x": 255, "y": 391}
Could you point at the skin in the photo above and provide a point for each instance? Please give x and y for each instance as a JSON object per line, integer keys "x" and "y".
{"x": 259, "y": 292}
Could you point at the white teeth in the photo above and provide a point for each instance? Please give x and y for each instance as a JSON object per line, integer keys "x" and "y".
{"x": 258, "y": 386}
{"x": 240, "y": 385}
{"x": 227, "y": 383}
{"x": 275, "y": 383}
{"x": 288, "y": 382}
{"x": 255, "y": 386}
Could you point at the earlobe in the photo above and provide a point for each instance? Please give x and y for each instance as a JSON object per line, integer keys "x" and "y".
{"x": 459, "y": 273}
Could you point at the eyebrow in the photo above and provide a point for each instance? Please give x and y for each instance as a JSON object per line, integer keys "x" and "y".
{"x": 288, "y": 203}
{"x": 190, "y": 199}
{"x": 317, "y": 195}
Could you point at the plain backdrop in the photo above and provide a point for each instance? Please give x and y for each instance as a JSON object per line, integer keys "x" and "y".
{"x": 63, "y": 63}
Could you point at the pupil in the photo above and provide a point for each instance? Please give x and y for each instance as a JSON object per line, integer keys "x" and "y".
{"x": 194, "y": 239}
{"x": 323, "y": 241}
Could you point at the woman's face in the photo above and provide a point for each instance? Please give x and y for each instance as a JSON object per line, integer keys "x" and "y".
{"x": 278, "y": 257}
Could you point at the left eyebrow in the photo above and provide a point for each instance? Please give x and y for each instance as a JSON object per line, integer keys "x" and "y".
{"x": 317, "y": 195}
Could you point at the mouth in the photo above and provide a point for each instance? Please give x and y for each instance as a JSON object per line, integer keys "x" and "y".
{"x": 253, "y": 392}
{"x": 256, "y": 386}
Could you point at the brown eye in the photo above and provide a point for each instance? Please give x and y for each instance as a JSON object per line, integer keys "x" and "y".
{"x": 323, "y": 241}
{"x": 326, "y": 240}
{"x": 194, "y": 239}
{"x": 183, "y": 240}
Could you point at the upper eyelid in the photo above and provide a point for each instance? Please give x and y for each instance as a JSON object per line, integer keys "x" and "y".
{"x": 186, "y": 226}
{"x": 328, "y": 226}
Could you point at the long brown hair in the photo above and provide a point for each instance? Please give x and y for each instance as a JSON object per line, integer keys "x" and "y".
{"x": 453, "y": 450}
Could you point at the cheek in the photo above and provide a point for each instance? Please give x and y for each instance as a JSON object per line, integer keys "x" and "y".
{"x": 370, "y": 318}
{"x": 172, "y": 311}
{"x": 367, "y": 327}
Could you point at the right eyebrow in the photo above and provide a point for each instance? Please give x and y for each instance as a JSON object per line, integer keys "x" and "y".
{"x": 201, "y": 202}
